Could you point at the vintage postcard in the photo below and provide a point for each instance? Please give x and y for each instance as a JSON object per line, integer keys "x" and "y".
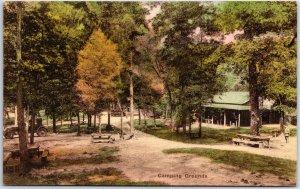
{"x": 141, "y": 93}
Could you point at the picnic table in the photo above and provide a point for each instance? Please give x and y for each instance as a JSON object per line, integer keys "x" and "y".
{"x": 33, "y": 149}
{"x": 11, "y": 160}
{"x": 261, "y": 141}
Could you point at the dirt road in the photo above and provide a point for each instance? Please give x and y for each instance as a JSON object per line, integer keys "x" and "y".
{"x": 142, "y": 159}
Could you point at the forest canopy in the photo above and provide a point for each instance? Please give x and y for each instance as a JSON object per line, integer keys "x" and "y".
{"x": 71, "y": 57}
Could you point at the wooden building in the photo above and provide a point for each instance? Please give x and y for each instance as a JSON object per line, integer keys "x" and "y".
{"x": 232, "y": 108}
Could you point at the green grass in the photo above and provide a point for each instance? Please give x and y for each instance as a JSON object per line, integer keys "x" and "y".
{"x": 66, "y": 128}
{"x": 244, "y": 160}
{"x": 104, "y": 155}
{"x": 209, "y": 135}
{"x": 78, "y": 178}
{"x": 268, "y": 130}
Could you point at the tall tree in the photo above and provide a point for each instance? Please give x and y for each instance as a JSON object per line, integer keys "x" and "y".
{"x": 99, "y": 65}
{"x": 186, "y": 55}
{"x": 122, "y": 27}
{"x": 256, "y": 19}
{"x": 13, "y": 30}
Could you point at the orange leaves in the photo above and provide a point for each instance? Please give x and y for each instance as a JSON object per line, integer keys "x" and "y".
{"x": 99, "y": 65}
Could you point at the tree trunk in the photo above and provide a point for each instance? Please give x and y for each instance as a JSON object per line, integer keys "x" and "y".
{"x": 83, "y": 117}
{"x": 200, "y": 126}
{"x": 100, "y": 129}
{"x": 200, "y": 122}
{"x": 54, "y": 122}
{"x": 183, "y": 124}
{"x": 281, "y": 121}
{"x": 88, "y": 123}
{"x": 131, "y": 103}
{"x": 120, "y": 108}
{"x": 16, "y": 116}
{"x": 20, "y": 110}
{"x": 22, "y": 130}
{"x": 131, "y": 94}
{"x": 32, "y": 126}
{"x": 166, "y": 112}
{"x": 254, "y": 100}
{"x": 71, "y": 115}
{"x": 139, "y": 116}
{"x": 95, "y": 121}
{"x": 27, "y": 121}
{"x": 190, "y": 125}
{"x": 154, "y": 118}
{"x": 145, "y": 121}
{"x": 61, "y": 121}
{"x": 90, "y": 119}
{"x": 89, "y": 116}
{"x": 47, "y": 120}
{"x": 108, "y": 114}
{"x": 78, "y": 126}
{"x": 171, "y": 106}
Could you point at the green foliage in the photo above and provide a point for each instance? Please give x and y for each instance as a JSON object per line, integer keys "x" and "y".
{"x": 243, "y": 160}
{"x": 50, "y": 40}
{"x": 146, "y": 97}
{"x": 189, "y": 56}
{"x": 262, "y": 25}
{"x": 256, "y": 18}
{"x": 122, "y": 22}
{"x": 275, "y": 69}
{"x": 182, "y": 47}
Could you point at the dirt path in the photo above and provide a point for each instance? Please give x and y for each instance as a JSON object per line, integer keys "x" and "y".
{"x": 279, "y": 148}
{"x": 142, "y": 159}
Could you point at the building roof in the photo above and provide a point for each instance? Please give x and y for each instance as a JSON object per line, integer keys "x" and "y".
{"x": 228, "y": 106}
{"x": 238, "y": 98}
{"x": 235, "y": 101}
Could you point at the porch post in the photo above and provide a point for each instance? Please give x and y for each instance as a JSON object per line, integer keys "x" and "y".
{"x": 239, "y": 119}
{"x": 224, "y": 118}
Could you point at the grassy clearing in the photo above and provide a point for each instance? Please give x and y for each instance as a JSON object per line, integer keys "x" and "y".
{"x": 209, "y": 135}
{"x": 104, "y": 155}
{"x": 244, "y": 160}
{"x": 109, "y": 176}
{"x": 66, "y": 128}
{"x": 268, "y": 130}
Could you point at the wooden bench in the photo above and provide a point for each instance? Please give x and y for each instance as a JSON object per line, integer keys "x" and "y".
{"x": 238, "y": 141}
{"x": 44, "y": 156}
{"x": 193, "y": 135}
{"x": 258, "y": 140}
{"x": 100, "y": 136}
{"x": 6, "y": 157}
{"x": 276, "y": 133}
{"x": 259, "y": 143}
{"x": 13, "y": 165}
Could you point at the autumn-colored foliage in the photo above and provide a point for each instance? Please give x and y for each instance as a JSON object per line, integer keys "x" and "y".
{"x": 99, "y": 64}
